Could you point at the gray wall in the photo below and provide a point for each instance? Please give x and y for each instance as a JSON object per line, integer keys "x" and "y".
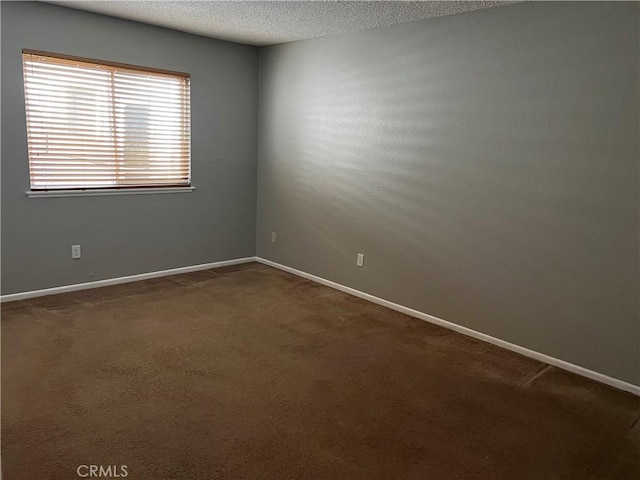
{"x": 486, "y": 164}
{"x": 124, "y": 235}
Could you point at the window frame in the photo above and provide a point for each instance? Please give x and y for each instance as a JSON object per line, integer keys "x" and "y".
{"x": 115, "y": 189}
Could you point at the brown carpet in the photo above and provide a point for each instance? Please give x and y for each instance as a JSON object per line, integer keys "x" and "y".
{"x": 251, "y": 373}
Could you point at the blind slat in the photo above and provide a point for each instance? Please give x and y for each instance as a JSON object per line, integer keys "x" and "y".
{"x": 49, "y": 96}
{"x": 58, "y": 67}
{"x": 43, "y": 127}
{"x": 123, "y": 114}
{"x": 93, "y": 125}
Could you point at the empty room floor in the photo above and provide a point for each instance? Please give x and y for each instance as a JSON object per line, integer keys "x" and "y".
{"x": 248, "y": 372}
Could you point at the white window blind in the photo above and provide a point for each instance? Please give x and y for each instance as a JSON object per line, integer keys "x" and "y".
{"x": 93, "y": 124}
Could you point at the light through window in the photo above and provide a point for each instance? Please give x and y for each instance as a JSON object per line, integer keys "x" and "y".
{"x": 93, "y": 124}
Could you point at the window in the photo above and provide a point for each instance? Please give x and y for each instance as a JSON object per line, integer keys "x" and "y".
{"x": 97, "y": 125}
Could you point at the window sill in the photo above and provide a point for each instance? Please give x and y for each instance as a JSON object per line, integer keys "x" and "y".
{"x": 98, "y": 192}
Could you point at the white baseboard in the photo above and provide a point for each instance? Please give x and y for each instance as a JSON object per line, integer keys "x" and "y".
{"x": 556, "y": 362}
{"x": 115, "y": 281}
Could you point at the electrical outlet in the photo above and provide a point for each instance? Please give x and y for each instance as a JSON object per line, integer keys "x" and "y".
{"x": 75, "y": 252}
{"x": 360, "y": 260}
{"x": 273, "y": 237}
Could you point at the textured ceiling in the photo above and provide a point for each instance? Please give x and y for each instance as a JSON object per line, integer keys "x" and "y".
{"x": 267, "y": 23}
